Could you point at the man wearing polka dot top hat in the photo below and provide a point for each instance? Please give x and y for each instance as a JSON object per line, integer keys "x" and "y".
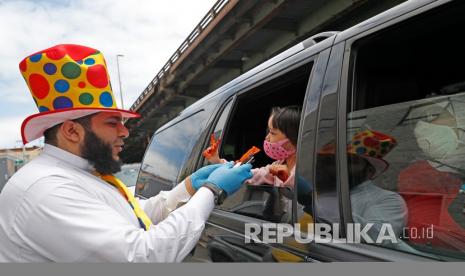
{"x": 66, "y": 205}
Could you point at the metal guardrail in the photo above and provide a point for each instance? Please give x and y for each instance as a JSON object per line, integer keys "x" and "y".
{"x": 206, "y": 20}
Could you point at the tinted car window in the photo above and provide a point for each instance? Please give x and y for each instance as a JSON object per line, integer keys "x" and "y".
{"x": 406, "y": 133}
{"x": 167, "y": 153}
{"x": 128, "y": 174}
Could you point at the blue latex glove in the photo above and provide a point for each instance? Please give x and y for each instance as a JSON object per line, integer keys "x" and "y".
{"x": 230, "y": 179}
{"x": 199, "y": 177}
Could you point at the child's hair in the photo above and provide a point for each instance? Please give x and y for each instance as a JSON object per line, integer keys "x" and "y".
{"x": 287, "y": 120}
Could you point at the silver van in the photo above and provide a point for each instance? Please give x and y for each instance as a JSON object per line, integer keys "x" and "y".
{"x": 398, "y": 76}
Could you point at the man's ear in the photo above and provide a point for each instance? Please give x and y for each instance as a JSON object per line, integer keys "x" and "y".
{"x": 72, "y": 131}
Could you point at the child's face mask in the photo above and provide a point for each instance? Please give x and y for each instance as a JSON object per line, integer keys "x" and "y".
{"x": 276, "y": 151}
{"x": 436, "y": 141}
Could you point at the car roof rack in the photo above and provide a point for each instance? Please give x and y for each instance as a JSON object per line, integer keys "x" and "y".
{"x": 314, "y": 39}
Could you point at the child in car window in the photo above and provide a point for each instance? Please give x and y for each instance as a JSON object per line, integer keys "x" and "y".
{"x": 280, "y": 144}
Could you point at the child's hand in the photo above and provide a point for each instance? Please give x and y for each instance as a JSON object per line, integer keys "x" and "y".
{"x": 281, "y": 171}
{"x": 211, "y": 153}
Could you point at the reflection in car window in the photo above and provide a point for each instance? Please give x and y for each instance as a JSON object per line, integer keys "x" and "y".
{"x": 406, "y": 137}
{"x": 167, "y": 153}
{"x": 128, "y": 174}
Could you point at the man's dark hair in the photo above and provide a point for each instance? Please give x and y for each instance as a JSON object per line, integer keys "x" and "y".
{"x": 287, "y": 120}
{"x": 360, "y": 170}
{"x": 50, "y": 134}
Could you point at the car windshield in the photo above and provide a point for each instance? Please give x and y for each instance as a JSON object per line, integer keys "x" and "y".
{"x": 128, "y": 174}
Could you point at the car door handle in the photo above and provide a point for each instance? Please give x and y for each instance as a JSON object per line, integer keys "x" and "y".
{"x": 221, "y": 251}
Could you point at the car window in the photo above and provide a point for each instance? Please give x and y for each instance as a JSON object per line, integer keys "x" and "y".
{"x": 306, "y": 162}
{"x": 243, "y": 124}
{"x": 406, "y": 134}
{"x": 128, "y": 174}
{"x": 167, "y": 154}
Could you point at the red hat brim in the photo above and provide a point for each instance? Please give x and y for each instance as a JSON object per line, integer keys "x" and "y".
{"x": 33, "y": 127}
{"x": 379, "y": 164}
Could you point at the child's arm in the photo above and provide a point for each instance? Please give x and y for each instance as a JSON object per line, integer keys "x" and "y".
{"x": 280, "y": 171}
{"x": 275, "y": 174}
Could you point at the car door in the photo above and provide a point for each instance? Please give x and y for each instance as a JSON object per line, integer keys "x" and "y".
{"x": 225, "y": 236}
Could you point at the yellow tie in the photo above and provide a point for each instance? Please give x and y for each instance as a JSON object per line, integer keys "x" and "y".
{"x": 142, "y": 217}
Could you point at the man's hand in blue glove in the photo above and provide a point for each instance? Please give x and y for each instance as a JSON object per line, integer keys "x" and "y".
{"x": 199, "y": 177}
{"x": 230, "y": 179}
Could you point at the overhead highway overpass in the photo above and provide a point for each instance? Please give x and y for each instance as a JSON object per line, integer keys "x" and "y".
{"x": 233, "y": 37}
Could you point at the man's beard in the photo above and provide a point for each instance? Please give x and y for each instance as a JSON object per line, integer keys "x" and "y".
{"x": 99, "y": 154}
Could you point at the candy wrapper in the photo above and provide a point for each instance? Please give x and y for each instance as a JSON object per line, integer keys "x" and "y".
{"x": 214, "y": 144}
{"x": 249, "y": 154}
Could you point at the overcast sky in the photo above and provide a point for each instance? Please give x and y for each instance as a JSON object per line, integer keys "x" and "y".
{"x": 146, "y": 32}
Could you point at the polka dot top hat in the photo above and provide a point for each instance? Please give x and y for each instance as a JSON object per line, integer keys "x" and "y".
{"x": 369, "y": 144}
{"x": 66, "y": 82}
